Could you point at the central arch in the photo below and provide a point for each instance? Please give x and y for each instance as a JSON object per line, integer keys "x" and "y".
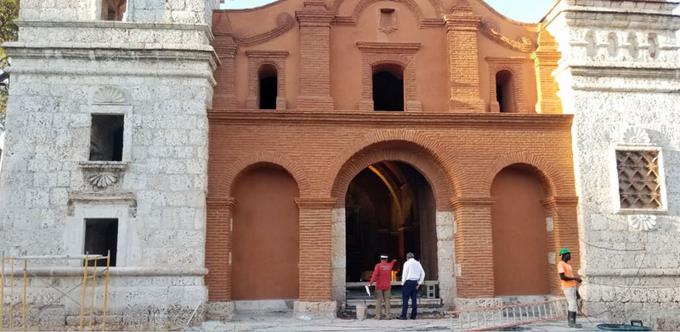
{"x": 426, "y": 169}
{"x": 389, "y": 210}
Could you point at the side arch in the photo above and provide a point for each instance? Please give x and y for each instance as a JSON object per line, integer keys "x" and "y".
{"x": 243, "y": 164}
{"x": 399, "y": 149}
{"x": 555, "y": 182}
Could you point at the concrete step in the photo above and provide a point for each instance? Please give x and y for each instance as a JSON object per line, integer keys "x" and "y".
{"x": 426, "y": 307}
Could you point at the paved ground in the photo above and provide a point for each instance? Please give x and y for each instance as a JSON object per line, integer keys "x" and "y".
{"x": 280, "y": 323}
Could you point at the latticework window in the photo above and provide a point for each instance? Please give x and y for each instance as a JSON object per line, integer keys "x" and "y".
{"x": 639, "y": 186}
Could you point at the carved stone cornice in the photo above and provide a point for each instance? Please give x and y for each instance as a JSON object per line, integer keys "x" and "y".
{"x": 101, "y": 197}
{"x": 316, "y": 203}
{"x": 481, "y": 120}
{"x": 462, "y": 17}
{"x": 267, "y": 54}
{"x": 314, "y": 13}
{"x": 387, "y": 47}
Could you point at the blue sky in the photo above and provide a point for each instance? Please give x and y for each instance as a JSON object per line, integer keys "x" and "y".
{"x": 521, "y": 10}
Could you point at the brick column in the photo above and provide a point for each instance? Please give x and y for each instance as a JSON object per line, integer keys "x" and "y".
{"x": 316, "y": 273}
{"x": 474, "y": 247}
{"x": 225, "y": 95}
{"x": 315, "y": 37}
{"x": 218, "y": 248}
{"x": 462, "y": 27}
{"x": 315, "y": 248}
{"x": 545, "y": 59}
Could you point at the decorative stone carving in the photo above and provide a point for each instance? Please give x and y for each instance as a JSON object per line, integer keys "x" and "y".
{"x": 102, "y": 180}
{"x": 108, "y": 95}
{"x": 103, "y": 174}
{"x": 284, "y": 22}
{"x": 638, "y": 172}
{"x": 612, "y": 45}
{"x": 652, "y": 45}
{"x": 388, "y": 20}
{"x": 636, "y": 136}
{"x": 633, "y": 46}
{"x": 642, "y": 222}
{"x": 522, "y": 44}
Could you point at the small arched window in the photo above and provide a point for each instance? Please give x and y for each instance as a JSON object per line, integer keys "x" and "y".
{"x": 388, "y": 87}
{"x": 268, "y": 86}
{"x": 504, "y": 91}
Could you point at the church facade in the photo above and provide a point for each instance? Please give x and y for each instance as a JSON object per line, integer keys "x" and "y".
{"x": 239, "y": 159}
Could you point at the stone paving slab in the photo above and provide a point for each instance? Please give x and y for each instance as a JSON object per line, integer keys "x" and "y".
{"x": 284, "y": 322}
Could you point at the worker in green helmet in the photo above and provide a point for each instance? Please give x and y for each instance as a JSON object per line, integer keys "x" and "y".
{"x": 570, "y": 284}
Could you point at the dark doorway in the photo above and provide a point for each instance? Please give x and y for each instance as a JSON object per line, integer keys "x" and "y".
{"x": 268, "y": 80}
{"x": 388, "y": 88}
{"x": 504, "y": 94}
{"x": 390, "y": 209}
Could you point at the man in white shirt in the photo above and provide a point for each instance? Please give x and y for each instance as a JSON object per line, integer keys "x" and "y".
{"x": 412, "y": 276}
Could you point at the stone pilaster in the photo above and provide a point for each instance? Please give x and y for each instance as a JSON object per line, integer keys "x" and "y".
{"x": 474, "y": 249}
{"x": 545, "y": 59}
{"x": 462, "y": 27}
{"x": 315, "y": 36}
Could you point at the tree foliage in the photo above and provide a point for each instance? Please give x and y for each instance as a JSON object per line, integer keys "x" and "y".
{"x": 9, "y": 11}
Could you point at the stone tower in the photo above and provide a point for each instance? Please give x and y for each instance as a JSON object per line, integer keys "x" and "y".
{"x": 619, "y": 77}
{"x": 107, "y": 150}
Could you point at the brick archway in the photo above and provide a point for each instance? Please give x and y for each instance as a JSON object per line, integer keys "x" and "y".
{"x": 241, "y": 165}
{"x": 421, "y": 156}
{"x": 556, "y": 184}
{"x": 394, "y": 150}
{"x": 436, "y": 169}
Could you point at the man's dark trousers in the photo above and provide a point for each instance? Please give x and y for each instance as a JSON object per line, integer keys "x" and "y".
{"x": 409, "y": 291}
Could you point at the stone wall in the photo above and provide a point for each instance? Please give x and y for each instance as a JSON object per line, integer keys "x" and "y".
{"x": 619, "y": 77}
{"x": 149, "y": 11}
{"x": 158, "y": 76}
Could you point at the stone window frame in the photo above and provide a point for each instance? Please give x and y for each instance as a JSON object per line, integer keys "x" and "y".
{"x": 108, "y": 100}
{"x": 256, "y": 59}
{"x": 84, "y": 206}
{"x": 616, "y": 199}
{"x": 515, "y": 66}
{"x": 377, "y": 53}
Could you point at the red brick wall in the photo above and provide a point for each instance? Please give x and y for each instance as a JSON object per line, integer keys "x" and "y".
{"x": 459, "y": 154}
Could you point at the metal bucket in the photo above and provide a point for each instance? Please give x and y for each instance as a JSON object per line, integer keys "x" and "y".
{"x": 635, "y": 325}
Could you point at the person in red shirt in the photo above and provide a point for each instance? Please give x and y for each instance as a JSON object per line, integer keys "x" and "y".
{"x": 382, "y": 279}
